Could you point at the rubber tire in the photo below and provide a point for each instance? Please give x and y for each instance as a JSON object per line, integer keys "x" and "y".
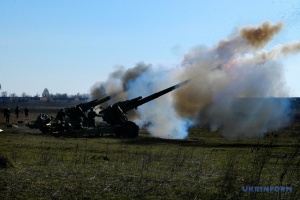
{"x": 128, "y": 130}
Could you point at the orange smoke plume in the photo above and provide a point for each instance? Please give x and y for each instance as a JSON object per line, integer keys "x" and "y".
{"x": 261, "y": 35}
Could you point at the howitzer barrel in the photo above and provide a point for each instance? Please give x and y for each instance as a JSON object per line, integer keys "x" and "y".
{"x": 86, "y": 106}
{"x": 103, "y": 100}
{"x": 154, "y": 96}
{"x": 116, "y": 114}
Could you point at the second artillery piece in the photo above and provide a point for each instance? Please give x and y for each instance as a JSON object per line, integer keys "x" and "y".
{"x": 75, "y": 112}
{"x": 70, "y": 118}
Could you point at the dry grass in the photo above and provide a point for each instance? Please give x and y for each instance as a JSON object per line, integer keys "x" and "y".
{"x": 205, "y": 166}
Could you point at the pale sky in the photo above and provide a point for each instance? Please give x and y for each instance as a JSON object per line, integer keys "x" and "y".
{"x": 68, "y": 45}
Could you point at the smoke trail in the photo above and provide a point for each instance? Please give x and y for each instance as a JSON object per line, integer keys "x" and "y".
{"x": 283, "y": 50}
{"x": 235, "y": 69}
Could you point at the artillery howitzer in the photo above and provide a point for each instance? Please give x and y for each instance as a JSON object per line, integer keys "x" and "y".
{"x": 115, "y": 115}
{"x": 48, "y": 124}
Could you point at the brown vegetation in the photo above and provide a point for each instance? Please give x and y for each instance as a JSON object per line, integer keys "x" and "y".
{"x": 204, "y": 166}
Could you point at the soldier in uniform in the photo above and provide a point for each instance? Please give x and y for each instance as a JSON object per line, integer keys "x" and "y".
{"x": 61, "y": 115}
{"x": 91, "y": 117}
{"x": 75, "y": 113}
{"x": 79, "y": 124}
{"x": 17, "y": 111}
{"x": 26, "y": 110}
{"x": 7, "y": 114}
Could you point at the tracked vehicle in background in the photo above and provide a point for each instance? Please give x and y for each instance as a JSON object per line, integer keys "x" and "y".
{"x": 114, "y": 116}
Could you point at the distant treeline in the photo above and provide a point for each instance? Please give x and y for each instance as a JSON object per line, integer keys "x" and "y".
{"x": 27, "y": 99}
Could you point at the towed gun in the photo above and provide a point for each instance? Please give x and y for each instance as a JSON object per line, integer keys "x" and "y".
{"x": 47, "y": 124}
{"x": 78, "y": 111}
{"x": 116, "y": 114}
{"x": 86, "y": 106}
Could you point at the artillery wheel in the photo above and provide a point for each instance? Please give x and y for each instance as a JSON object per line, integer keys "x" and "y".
{"x": 128, "y": 130}
{"x": 45, "y": 129}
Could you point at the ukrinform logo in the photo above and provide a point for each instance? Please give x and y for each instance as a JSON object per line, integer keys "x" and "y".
{"x": 267, "y": 188}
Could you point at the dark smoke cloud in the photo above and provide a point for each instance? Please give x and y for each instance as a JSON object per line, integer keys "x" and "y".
{"x": 261, "y": 35}
{"x": 133, "y": 73}
{"x": 116, "y": 85}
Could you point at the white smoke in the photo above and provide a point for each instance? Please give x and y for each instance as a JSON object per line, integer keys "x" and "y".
{"x": 234, "y": 84}
{"x": 234, "y": 87}
{"x": 159, "y": 115}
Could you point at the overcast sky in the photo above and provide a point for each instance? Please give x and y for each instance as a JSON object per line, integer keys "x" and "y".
{"x": 69, "y": 45}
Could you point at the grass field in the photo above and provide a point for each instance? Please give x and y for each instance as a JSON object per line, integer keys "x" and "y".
{"x": 203, "y": 166}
